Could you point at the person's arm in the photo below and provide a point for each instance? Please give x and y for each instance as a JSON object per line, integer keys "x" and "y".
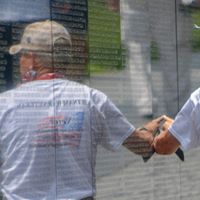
{"x": 140, "y": 141}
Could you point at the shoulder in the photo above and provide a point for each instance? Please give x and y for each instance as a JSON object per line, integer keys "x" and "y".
{"x": 195, "y": 96}
{"x": 192, "y": 104}
{"x": 97, "y": 95}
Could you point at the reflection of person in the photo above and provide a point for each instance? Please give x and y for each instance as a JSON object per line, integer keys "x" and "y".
{"x": 171, "y": 29}
{"x": 50, "y": 127}
{"x": 184, "y": 130}
{"x": 113, "y": 5}
{"x": 136, "y": 40}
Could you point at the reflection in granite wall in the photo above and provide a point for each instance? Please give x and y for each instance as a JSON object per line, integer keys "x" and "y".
{"x": 159, "y": 35}
{"x": 140, "y": 54}
{"x": 171, "y": 29}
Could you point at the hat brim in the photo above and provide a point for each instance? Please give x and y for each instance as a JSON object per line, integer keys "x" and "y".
{"x": 15, "y": 49}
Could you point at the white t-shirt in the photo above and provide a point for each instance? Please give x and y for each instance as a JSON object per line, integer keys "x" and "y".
{"x": 186, "y": 127}
{"x": 49, "y": 132}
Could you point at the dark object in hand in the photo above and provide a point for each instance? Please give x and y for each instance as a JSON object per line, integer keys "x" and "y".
{"x": 179, "y": 152}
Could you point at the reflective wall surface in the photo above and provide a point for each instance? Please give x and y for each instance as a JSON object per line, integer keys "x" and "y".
{"x": 162, "y": 69}
{"x": 145, "y": 55}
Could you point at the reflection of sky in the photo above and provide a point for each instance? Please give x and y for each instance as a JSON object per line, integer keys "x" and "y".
{"x": 24, "y": 10}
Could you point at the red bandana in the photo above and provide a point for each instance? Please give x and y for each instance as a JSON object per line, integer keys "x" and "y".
{"x": 47, "y": 76}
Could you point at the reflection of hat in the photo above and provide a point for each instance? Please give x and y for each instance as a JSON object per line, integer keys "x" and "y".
{"x": 41, "y": 36}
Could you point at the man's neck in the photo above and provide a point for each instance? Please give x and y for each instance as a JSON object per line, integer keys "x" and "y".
{"x": 48, "y": 76}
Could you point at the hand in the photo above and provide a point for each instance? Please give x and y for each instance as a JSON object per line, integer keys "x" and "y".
{"x": 140, "y": 142}
{"x": 154, "y": 125}
{"x": 168, "y": 122}
{"x": 165, "y": 142}
{"x": 154, "y": 128}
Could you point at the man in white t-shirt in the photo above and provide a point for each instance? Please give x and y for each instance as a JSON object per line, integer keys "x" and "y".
{"x": 184, "y": 130}
{"x": 50, "y": 127}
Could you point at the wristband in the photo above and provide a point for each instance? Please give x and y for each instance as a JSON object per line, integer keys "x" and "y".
{"x": 143, "y": 129}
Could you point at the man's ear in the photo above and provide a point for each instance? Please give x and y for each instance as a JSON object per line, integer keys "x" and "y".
{"x": 32, "y": 60}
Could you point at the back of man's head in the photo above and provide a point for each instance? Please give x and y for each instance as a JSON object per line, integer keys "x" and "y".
{"x": 49, "y": 41}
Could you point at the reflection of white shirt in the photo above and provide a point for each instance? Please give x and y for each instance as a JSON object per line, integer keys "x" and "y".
{"x": 49, "y": 135}
{"x": 186, "y": 127}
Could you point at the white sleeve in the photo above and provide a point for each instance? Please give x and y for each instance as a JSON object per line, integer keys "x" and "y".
{"x": 186, "y": 127}
{"x": 114, "y": 127}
